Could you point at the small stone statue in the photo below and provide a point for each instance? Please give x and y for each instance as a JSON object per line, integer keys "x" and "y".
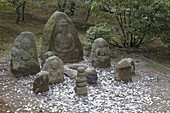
{"x": 91, "y": 75}
{"x": 81, "y": 82}
{"x": 54, "y": 65}
{"x": 41, "y": 82}
{"x": 125, "y": 68}
{"x": 100, "y": 53}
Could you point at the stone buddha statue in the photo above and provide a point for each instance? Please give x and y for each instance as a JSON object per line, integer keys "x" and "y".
{"x": 61, "y": 37}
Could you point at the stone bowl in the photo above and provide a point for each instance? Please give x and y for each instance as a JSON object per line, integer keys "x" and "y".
{"x": 91, "y": 78}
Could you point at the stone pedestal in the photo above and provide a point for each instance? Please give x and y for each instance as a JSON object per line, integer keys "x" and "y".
{"x": 81, "y": 90}
{"x": 81, "y": 82}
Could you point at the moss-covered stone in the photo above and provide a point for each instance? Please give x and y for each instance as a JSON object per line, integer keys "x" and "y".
{"x": 24, "y": 59}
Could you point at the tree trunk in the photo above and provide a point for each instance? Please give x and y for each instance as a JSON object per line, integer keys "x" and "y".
{"x": 88, "y": 15}
{"x": 17, "y": 14}
{"x": 72, "y": 9}
{"x": 64, "y": 5}
{"x": 23, "y": 9}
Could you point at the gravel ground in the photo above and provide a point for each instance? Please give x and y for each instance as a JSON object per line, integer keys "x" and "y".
{"x": 149, "y": 92}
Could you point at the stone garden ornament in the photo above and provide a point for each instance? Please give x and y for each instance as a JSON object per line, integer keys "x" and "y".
{"x": 24, "y": 59}
{"x": 100, "y": 53}
{"x": 125, "y": 69}
{"x": 55, "y": 67}
{"x": 61, "y": 37}
{"x": 91, "y": 75}
{"x": 81, "y": 82}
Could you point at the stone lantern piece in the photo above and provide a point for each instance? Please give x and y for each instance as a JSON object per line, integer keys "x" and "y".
{"x": 81, "y": 82}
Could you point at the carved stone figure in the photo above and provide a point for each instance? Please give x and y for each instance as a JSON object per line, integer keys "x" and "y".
{"x": 24, "y": 59}
{"x": 100, "y": 53}
{"x": 125, "y": 68}
{"x": 81, "y": 82}
{"x": 41, "y": 82}
{"x": 60, "y": 36}
{"x": 54, "y": 66}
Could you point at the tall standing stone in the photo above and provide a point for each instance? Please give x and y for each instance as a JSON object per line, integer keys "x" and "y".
{"x": 125, "y": 68}
{"x": 41, "y": 82}
{"x": 55, "y": 67}
{"x": 81, "y": 82}
{"x": 61, "y": 37}
{"x": 100, "y": 53}
{"x": 24, "y": 59}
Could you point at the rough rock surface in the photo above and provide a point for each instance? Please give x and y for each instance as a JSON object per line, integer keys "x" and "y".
{"x": 41, "y": 82}
{"x": 125, "y": 68}
{"x": 61, "y": 37}
{"x": 55, "y": 67}
{"x": 100, "y": 53}
{"x": 24, "y": 59}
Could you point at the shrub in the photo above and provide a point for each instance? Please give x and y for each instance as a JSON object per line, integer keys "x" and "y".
{"x": 138, "y": 21}
{"x": 98, "y": 31}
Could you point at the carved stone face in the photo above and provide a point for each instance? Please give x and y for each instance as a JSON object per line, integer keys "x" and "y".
{"x": 100, "y": 53}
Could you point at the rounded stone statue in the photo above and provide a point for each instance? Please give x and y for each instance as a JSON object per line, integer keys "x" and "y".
{"x": 100, "y": 53}
{"x": 61, "y": 37}
{"x": 81, "y": 82}
{"x": 55, "y": 67}
{"x": 24, "y": 59}
{"x": 124, "y": 70}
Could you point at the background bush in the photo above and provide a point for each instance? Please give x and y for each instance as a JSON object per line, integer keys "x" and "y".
{"x": 98, "y": 31}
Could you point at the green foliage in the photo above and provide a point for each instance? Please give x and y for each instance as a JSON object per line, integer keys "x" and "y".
{"x": 152, "y": 21}
{"x": 98, "y": 31}
{"x": 138, "y": 21}
{"x": 4, "y": 4}
{"x": 68, "y": 6}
